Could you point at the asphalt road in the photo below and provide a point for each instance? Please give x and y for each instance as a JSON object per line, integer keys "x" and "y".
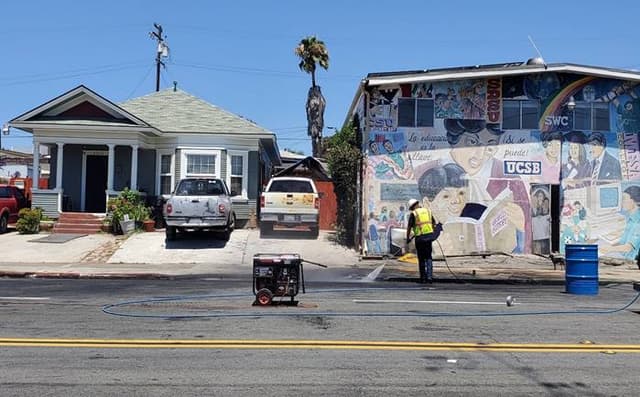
{"x": 203, "y": 337}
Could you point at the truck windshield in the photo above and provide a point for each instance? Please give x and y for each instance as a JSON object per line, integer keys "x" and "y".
{"x": 200, "y": 187}
{"x": 290, "y": 186}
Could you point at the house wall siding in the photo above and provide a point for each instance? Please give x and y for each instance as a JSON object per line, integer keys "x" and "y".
{"x": 72, "y": 176}
{"x": 178, "y": 158}
{"x": 122, "y": 164}
{"x": 147, "y": 171}
{"x": 223, "y": 165}
{"x": 253, "y": 183}
{"x": 48, "y": 201}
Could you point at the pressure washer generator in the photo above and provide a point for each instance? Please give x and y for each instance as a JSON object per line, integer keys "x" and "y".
{"x": 278, "y": 276}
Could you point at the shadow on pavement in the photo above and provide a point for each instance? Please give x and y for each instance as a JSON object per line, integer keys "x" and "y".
{"x": 196, "y": 240}
{"x": 289, "y": 235}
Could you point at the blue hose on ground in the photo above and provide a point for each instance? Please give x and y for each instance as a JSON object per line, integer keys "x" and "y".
{"x": 111, "y": 309}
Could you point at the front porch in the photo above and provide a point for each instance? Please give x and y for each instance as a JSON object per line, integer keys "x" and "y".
{"x": 85, "y": 176}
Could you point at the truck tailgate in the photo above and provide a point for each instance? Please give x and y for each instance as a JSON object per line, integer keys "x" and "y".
{"x": 289, "y": 202}
{"x": 194, "y": 206}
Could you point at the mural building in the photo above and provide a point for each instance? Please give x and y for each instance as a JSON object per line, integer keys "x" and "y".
{"x": 499, "y": 161}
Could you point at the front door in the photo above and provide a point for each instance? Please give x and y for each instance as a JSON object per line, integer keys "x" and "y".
{"x": 95, "y": 183}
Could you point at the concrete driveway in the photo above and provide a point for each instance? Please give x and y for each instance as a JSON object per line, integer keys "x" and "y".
{"x": 205, "y": 250}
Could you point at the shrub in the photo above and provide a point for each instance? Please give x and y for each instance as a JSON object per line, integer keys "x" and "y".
{"x": 127, "y": 204}
{"x": 29, "y": 220}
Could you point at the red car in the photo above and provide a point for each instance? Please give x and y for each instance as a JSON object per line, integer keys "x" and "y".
{"x": 12, "y": 200}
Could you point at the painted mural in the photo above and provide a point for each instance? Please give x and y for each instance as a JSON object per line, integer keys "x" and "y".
{"x": 487, "y": 175}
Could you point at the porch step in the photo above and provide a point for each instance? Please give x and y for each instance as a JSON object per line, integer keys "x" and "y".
{"x": 78, "y": 222}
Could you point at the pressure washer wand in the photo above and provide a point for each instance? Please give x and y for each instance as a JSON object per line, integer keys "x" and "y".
{"x": 315, "y": 263}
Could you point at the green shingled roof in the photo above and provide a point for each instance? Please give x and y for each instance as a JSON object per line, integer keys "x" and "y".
{"x": 178, "y": 112}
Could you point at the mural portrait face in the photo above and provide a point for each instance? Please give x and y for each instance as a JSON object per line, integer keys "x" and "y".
{"x": 388, "y": 146}
{"x": 444, "y": 190}
{"x": 552, "y": 151}
{"x": 473, "y": 142}
{"x": 449, "y": 203}
{"x": 628, "y": 204}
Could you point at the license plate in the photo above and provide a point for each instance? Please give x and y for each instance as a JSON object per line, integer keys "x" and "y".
{"x": 195, "y": 220}
{"x": 290, "y": 218}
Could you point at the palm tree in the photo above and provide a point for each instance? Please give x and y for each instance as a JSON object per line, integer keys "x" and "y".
{"x": 313, "y": 52}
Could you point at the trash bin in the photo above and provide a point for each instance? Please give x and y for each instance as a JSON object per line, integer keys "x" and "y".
{"x": 581, "y": 269}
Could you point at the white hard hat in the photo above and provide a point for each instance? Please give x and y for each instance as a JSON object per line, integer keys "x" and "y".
{"x": 412, "y": 202}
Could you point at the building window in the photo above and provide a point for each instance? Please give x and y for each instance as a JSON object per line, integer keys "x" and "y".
{"x": 591, "y": 116}
{"x": 166, "y": 176}
{"x": 415, "y": 112}
{"x": 201, "y": 164}
{"x": 237, "y": 169}
{"x": 520, "y": 115}
{"x": 236, "y": 173}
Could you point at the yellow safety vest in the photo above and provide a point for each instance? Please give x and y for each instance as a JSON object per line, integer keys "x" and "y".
{"x": 423, "y": 223}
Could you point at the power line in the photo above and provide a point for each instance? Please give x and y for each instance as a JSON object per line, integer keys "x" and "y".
{"x": 68, "y": 76}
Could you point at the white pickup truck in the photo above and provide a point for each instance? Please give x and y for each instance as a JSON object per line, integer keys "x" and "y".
{"x": 200, "y": 204}
{"x": 290, "y": 202}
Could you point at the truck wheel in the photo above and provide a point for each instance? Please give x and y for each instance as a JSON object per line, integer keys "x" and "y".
{"x": 315, "y": 231}
{"x": 264, "y": 297}
{"x": 4, "y": 223}
{"x": 266, "y": 228}
{"x": 170, "y": 232}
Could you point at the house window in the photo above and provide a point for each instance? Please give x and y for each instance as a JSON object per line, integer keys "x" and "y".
{"x": 201, "y": 164}
{"x": 591, "y": 116}
{"x": 237, "y": 164}
{"x": 415, "y": 112}
{"x": 236, "y": 173}
{"x": 166, "y": 176}
{"x": 520, "y": 115}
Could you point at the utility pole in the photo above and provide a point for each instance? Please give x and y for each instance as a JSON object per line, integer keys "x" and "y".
{"x": 161, "y": 52}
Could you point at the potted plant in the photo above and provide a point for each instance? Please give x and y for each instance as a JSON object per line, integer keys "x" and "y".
{"x": 125, "y": 210}
{"x": 107, "y": 225}
{"x": 148, "y": 224}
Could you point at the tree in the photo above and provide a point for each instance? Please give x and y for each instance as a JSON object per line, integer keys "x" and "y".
{"x": 343, "y": 158}
{"x": 313, "y": 52}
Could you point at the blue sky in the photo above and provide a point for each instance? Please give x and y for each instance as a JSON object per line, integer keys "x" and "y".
{"x": 239, "y": 55}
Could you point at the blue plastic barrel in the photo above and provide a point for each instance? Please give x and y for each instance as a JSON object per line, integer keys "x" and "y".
{"x": 581, "y": 270}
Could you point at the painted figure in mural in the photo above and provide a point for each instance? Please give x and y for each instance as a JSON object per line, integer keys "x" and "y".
{"x": 552, "y": 144}
{"x": 444, "y": 190}
{"x": 541, "y": 86}
{"x": 474, "y": 101}
{"x": 373, "y": 239}
{"x": 541, "y": 223}
{"x": 627, "y": 108}
{"x": 391, "y": 165}
{"x": 576, "y": 229}
{"x": 628, "y": 244}
{"x": 421, "y": 90}
{"x": 577, "y": 166}
{"x": 425, "y": 230}
{"x": 603, "y": 165}
{"x": 474, "y": 143}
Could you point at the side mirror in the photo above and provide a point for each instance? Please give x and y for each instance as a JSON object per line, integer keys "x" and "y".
{"x": 234, "y": 193}
{"x": 321, "y": 194}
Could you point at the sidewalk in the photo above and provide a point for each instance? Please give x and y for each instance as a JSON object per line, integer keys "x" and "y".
{"x": 147, "y": 255}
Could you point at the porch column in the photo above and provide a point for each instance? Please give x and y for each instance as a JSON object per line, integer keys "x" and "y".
{"x": 59, "y": 156}
{"x": 36, "y": 165}
{"x": 134, "y": 167}
{"x": 111, "y": 167}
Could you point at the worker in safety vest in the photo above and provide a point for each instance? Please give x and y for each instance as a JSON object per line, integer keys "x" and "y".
{"x": 425, "y": 230}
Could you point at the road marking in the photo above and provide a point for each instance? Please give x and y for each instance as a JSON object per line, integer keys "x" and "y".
{"x": 23, "y": 298}
{"x": 446, "y": 302}
{"x": 318, "y": 344}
